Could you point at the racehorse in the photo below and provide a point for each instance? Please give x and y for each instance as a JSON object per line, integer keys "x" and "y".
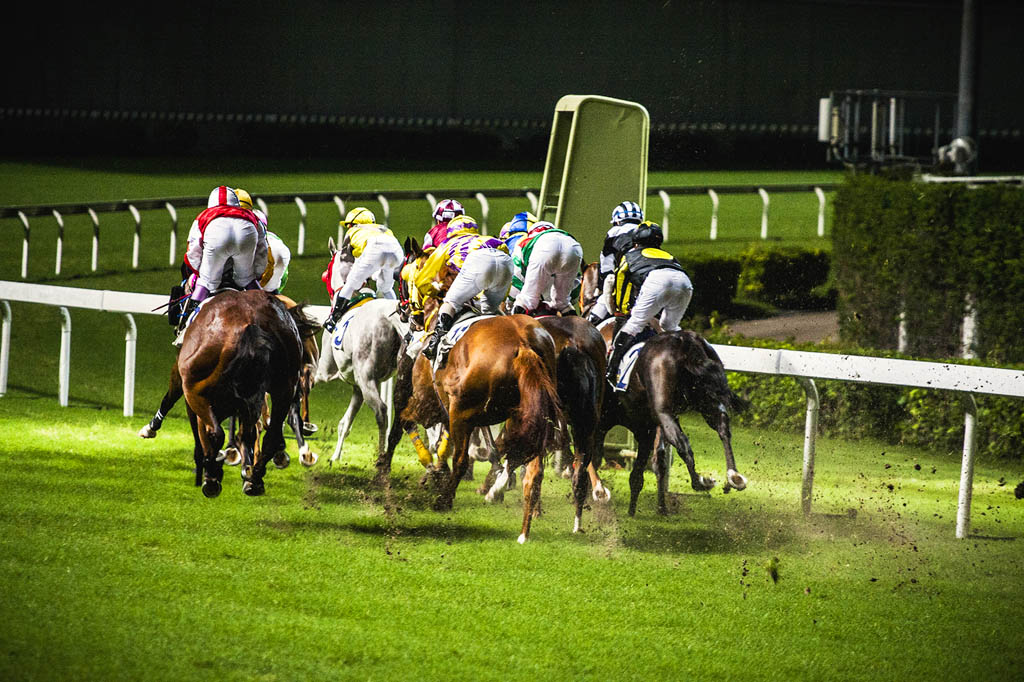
{"x": 590, "y": 287}
{"x": 241, "y": 346}
{"x": 674, "y": 372}
{"x": 363, "y": 352}
{"x": 298, "y": 416}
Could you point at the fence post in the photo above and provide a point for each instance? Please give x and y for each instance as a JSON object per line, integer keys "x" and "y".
{"x": 95, "y": 239}
{"x": 963, "y": 510}
{"x": 173, "y": 250}
{"x": 432, "y": 201}
{"x": 64, "y": 377}
{"x": 714, "y": 214}
{"x": 138, "y": 235}
{"x": 60, "y": 241}
{"x": 810, "y": 436}
{"x": 533, "y": 202}
{"x": 902, "y": 337}
{"x": 263, "y": 207}
{"x": 764, "y": 213}
{"x": 341, "y": 213}
{"x": 131, "y": 334}
{"x": 387, "y": 209}
{"x": 821, "y": 211}
{"x": 665, "y": 203}
{"x": 5, "y": 344}
{"x": 969, "y": 327}
{"x": 485, "y": 209}
{"x": 24, "y": 245}
{"x": 301, "y": 248}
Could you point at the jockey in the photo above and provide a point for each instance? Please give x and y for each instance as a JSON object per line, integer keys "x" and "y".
{"x": 225, "y": 233}
{"x": 445, "y": 210}
{"x": 483, "y": 266}
{"x": 511, "y": 233}
{"x": 545, "y": 258}
{"x": 647, "y": 281}
{"x": 625, "y": 219}
{"x": 275, "y": 276}
{"x": 378, "y": 255}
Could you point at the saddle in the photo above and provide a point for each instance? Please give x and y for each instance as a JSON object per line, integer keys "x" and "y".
{"x": 628, "y": 363}
{"x": 181, "y": 337}
{"x": 463, "y": 321}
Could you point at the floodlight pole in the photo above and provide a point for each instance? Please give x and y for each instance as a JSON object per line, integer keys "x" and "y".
{"x": 965, "y": 94}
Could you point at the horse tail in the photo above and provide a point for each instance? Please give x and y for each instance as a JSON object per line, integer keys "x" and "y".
{"x": 248, "y": 371}
{"x": 531, "y": 431}
{"x": 578, "y": 385}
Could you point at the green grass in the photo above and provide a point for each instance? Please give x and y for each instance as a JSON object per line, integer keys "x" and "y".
{"x": 115, "y": 567}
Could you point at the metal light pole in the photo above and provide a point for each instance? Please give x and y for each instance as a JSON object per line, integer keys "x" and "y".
{"x": 965, "y": 94}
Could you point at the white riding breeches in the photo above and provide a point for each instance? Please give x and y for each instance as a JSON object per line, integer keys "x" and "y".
{"x": 380, "y": 260}
{"x": 229, "y": 239}
{"x": 666, "y": 291}
{"x": 553, "y": 268}
{"x": 487, "y": 272}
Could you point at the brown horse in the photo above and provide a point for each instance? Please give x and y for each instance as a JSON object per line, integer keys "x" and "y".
{"x": 298, "y": 416}
{"x": 240, "y": 347}
{"x": 674, "y": 372}
{"x": 590, "y": 287}
{"x": 501, "y": 370}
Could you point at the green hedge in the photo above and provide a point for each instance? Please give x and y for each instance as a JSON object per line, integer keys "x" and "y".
{"x": 912, "y": 416}
{"x": 921, "y": 248}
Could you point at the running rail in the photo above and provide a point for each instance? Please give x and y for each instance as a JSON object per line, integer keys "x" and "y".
{"x": 804, "y": 366}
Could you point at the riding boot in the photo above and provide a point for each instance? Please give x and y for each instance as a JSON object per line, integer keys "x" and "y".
{"x": 620, "y": 345}
{"x": 444, "y": 323}
{"x": 570, "y": 312}
{"x": 519, "y": 310}
{"x": 190, "y": 307}
{"x": 340, "y": 305}
{"x": 594, "y": 319}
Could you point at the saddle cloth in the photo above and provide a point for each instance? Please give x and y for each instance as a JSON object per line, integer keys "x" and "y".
{"x": 458, "y": 330}
{"x": 626, "y": 367}
{"x": 361, "y": 297}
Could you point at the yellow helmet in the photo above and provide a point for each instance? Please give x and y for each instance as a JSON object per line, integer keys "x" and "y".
{"x": 360, "y": 215}
{"x": 244, "y": 199}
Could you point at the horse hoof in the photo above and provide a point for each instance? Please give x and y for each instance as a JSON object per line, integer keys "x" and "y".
{"x": 735, "y": 480}
{"x": 231, "y": 456}
{"x": 704, "y": 483}
{"x": 211, "y": 488}
{"x": 147, "y": 431}
{"x": 253, "y": 489}
{"x": 601, "y": 494}
{"x": 309, "y": 429}
{"x": 308, "y": 457}
{"x": 522, "y": 539}
{"x": 282, "y": 460}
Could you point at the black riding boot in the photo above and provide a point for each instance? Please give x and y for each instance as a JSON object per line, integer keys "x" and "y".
{"x": 340, "y": 305}
{"x": 620, "y": 345}
{"x": 190, "y": 307}
{"x": 519, "y": 310}
{"x": 444, "y": 323}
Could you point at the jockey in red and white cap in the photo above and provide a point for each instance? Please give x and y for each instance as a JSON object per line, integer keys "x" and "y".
{"x": 444, "y": 212}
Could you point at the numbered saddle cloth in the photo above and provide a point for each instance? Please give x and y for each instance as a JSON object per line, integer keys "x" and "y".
{"x": 361, "y": 297}
{"x": 626, "y": 367}
{"x": 458, "y": 330}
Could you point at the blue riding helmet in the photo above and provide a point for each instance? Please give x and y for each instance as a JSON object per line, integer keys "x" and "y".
{"x": 515, "y": 229}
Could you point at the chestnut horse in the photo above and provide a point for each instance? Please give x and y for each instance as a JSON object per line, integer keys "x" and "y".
{"x": 241, "y": 347}
{"x": 298, "y": 416}
{"x": 501, "y": 370}
{"x": 674, "y": 372}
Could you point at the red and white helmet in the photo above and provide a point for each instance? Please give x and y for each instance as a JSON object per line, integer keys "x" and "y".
{"x": 222, "y": 196}
{"x": 447, "y": 209}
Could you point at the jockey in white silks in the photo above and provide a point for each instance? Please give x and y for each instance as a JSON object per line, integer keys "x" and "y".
{"x": 378, "y": 256}
{"x": 483, "y": 266}
{"x": 224, "y": 233}
{"x": 625, "y": 219}
{"x": 548, "y": 261}
{"x": 275, "y": 276}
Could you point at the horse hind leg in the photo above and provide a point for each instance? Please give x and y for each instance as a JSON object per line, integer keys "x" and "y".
{"x": 718, "y": 419}
{"x": 644, "y": 443}
{"x": 673, "y": 433}
{"x": 345, "y": 423}
{"x": 172, "y": 396}
{"x": 273, "y": 442}
{"x": 211, "y": 438}
{"x": 531, "y": 494}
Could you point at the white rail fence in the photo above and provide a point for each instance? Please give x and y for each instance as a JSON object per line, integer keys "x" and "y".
{"x": 173, "y": 206}
{"x": 805, "y": 367}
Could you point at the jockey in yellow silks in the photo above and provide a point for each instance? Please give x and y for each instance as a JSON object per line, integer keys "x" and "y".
{"x": 483, "y": 266}
{"x": 378, "y": 255}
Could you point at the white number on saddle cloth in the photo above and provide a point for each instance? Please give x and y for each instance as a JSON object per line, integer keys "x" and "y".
{"x": 626, "y": 367}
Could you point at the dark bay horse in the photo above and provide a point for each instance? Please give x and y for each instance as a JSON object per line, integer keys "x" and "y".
{"x": 298, "y": 416}
{"x": 674, "y": 372}
{"x": 240, "y": 348}
{"x": 501, "y": 370}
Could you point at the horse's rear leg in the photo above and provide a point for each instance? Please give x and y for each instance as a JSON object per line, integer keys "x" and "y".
{"x": 531, "y": 494}
{"x": 582, "y": 475}
{"x": 718, "y": 419}
{"x": 197, "y": 452}
{"x": 673, "y": 433}
{"x": 173, "y": 395}
{"x": 371, "y": 394}
{"x": 306, "y": 456}
{"x": 644, "y": 444}
{"x": 459, "y": 448}
{"x": 345, "y": 423}
{"x": 403, "y": 388}
{"x": 211, "y": 437}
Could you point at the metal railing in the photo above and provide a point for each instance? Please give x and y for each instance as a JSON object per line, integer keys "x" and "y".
{"x": 174, "y": 205}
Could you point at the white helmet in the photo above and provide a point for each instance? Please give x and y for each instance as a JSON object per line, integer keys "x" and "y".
{"x": 627, "y": 212}
{"x": 222, "y": 196}
{"x": 260, "y": 216}
{"x": 447, "y": 209}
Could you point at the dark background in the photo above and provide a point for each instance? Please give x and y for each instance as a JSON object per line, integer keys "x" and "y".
{"x": 731, "y": 83}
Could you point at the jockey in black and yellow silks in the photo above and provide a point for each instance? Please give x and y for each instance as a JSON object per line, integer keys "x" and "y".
{"x": 648, "y": 282}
